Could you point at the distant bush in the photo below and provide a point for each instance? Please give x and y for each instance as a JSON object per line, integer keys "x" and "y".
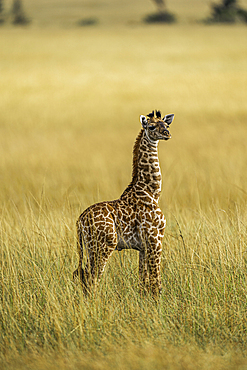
{"x": 242, "y": 13}
{"x": 87, "y": 22}
{"x": 19, "y": 17}
{"x": 160, "y": 17}
{"x": 1, "y": 12}
{"x": 227, "y": 12}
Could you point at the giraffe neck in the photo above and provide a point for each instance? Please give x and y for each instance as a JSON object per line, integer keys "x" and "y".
{"x": 146, "y": 175}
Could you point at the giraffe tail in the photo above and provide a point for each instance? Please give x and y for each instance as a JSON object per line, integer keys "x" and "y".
{"x": 79, "y": 272}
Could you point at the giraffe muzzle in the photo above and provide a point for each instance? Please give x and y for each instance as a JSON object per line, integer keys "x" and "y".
{"x": 167, "y": 135}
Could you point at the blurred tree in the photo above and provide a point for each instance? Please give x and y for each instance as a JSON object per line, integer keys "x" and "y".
{"x": 228, "y": 11}
{"x": 1, "y": 12}
{"x": 19, "y": 16}
{"x": 162, "y": 15}
{"x": 160, "y": 4}
{"x": 84, "y": 22}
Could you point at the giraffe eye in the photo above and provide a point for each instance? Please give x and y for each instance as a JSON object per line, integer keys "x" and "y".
{"x": 151, "y": 128}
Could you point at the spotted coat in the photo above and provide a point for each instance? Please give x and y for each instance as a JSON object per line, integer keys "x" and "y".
{"x": 134, "y": 221}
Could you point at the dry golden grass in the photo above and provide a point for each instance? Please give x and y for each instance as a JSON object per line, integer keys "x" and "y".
{"x": 70, "y": 101}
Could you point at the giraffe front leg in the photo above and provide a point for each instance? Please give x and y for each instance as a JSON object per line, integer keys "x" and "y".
{"x": 143, "y": 270}
{"x": 154, "y": 260}
{"x": 150, "y": 258}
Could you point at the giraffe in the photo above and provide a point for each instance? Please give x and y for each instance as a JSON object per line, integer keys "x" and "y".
{"x": 134, "y": 221}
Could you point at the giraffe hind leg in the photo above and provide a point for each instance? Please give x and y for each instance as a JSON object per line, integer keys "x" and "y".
{"x": 98, "y": 255}
{"x": 94, "y": 268}
{"x": 99, "y": 237}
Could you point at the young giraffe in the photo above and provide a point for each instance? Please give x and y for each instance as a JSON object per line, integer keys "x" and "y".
{"x": 132, "y": 221}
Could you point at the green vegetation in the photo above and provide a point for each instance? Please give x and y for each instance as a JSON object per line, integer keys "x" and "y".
{"x": 18, "y": 14}
{"x": 69, "y": 113}
{"x": 87, "y": 22}
{"x": 228, "y": 11}
{"x": 1, "y": 12}
{"x": 162, "y": 15}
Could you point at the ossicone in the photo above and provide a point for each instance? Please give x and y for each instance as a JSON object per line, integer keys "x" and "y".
{"x": 158, "y": 114}
{"x": 151, "y": 118}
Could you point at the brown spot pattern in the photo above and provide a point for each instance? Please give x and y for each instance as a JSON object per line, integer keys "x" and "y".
{"x": 132, "y": 221}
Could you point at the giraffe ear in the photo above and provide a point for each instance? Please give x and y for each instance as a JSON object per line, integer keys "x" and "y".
{"x": 168, "y": 118}
{"x": 143, "y": 121}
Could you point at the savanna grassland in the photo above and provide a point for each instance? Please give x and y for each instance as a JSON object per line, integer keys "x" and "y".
{"x": 69, "y": 114}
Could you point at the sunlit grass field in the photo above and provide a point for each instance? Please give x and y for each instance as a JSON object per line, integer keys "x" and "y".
{"x": 69, "y": 114}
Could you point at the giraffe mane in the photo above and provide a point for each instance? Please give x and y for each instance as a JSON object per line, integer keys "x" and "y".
{"x": 135, "y": 162}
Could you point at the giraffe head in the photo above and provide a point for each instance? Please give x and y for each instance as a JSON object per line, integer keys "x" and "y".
{"x": 157, "y": 128}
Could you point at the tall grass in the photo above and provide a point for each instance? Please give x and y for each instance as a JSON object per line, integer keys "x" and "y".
{"x": 203, "y": 303}
{"x": 69, "y": 116}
